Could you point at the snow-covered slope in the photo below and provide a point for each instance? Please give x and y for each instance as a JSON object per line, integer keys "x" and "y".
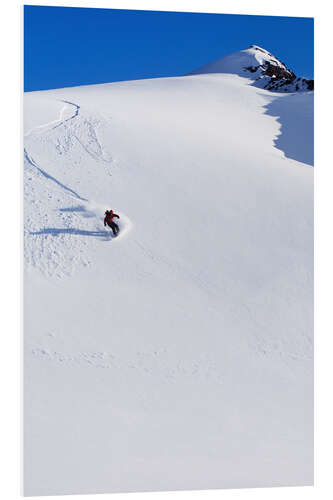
{"x": 262, "y": 67}
{"x": 178, "y": 355}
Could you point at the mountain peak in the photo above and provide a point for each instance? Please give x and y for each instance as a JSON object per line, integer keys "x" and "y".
{"x": 259, "y": 65}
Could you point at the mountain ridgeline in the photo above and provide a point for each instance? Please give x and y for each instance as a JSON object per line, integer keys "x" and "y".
{"x": 262, "y": 67}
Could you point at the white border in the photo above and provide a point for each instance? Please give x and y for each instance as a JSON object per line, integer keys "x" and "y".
{"x": 298, "y": 8}
{"x": 10, "y": 373}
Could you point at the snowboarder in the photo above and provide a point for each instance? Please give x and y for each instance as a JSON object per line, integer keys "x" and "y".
{"x": 108, "y": 220}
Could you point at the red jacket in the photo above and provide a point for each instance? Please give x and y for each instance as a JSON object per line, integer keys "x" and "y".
{"x": 109, "y": 217}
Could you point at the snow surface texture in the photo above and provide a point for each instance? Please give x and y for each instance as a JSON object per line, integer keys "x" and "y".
{"x": 178, "y": 355}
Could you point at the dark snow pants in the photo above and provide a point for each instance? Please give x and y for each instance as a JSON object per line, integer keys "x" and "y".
{"x": 114, "y": 227}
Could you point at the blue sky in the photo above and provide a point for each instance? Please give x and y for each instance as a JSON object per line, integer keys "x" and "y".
{"x": 65, "y": 46}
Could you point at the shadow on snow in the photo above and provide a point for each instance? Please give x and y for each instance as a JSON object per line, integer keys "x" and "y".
{"x": 53, "y": 231}
{"x": 295, "y": 115}
{"x": 79, "y": 208}
{"x": 32, "y": 162}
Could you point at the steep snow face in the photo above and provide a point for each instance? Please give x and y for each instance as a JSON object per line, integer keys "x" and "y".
{"x": 178, "y": 355}
{"x": 238, "y": 62}
{"x": 261, "y": 66}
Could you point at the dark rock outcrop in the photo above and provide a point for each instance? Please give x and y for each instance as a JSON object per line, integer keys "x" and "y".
{"x": 276, "y": 76}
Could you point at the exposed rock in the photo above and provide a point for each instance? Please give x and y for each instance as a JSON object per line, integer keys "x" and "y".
{"x": 280, "y": 77}
{"x": 260, "y": 66}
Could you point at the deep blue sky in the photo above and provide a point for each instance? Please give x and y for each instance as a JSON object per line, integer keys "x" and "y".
{"x": 65, "y": 46}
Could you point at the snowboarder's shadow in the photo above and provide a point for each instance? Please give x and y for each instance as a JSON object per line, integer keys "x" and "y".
{"x": 79, "y": 208}
{"x": 53, "y": 231}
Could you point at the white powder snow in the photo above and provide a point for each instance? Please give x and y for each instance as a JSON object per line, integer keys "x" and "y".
{"x": 180, "y": 355}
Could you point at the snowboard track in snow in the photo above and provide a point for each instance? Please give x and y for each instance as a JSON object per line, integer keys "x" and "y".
{"x": 77, "y": 109}
{"x": 50, "y": 177}
{"x": 50, "y": 247}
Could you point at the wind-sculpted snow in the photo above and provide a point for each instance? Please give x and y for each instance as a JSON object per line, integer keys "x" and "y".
{"x": 295, "y": 115}
{"x": 177, "y": 355}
